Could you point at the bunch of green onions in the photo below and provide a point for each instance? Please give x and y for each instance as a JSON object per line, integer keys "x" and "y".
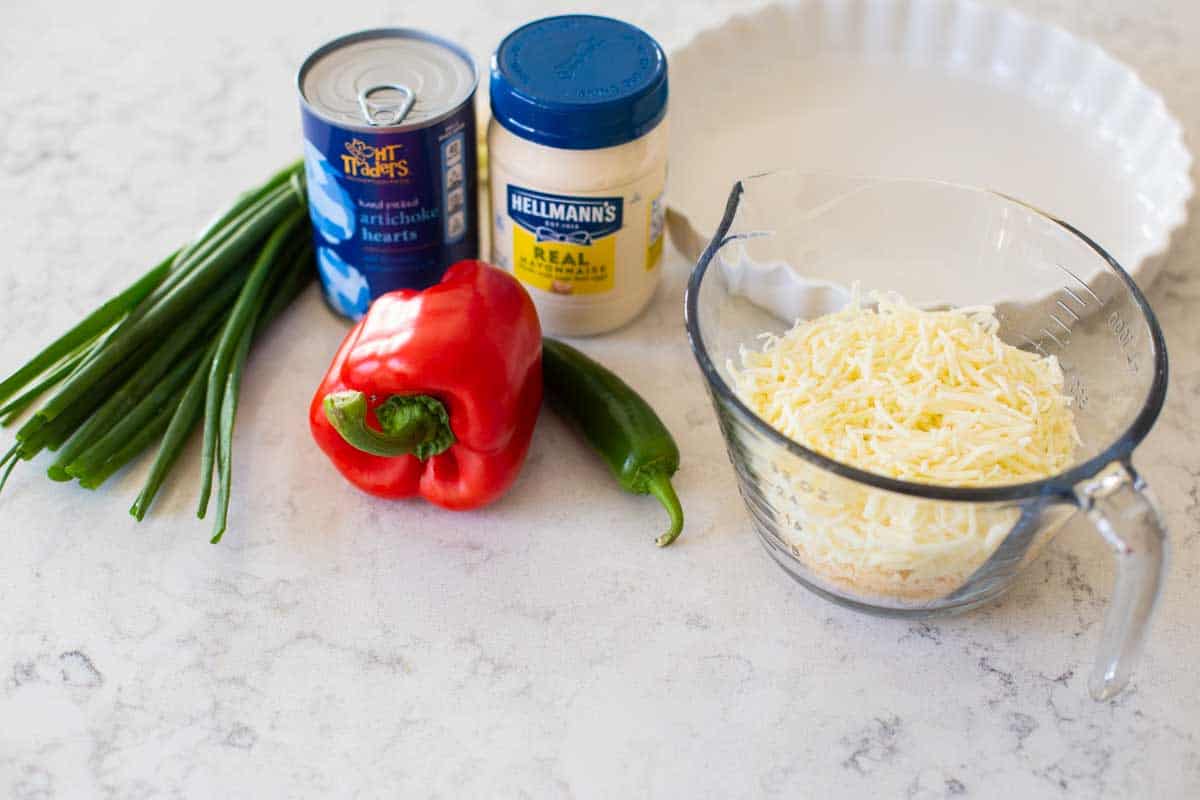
{"x": 165, "y": 353}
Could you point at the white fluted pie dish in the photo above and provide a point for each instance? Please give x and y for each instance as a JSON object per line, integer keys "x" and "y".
{"x": 955, "y": 91}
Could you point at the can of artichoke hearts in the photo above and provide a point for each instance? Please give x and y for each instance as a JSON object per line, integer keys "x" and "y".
{"x": 390, "y": 161}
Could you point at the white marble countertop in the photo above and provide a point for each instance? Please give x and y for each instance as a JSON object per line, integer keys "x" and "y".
{"x": 338, "y": 646}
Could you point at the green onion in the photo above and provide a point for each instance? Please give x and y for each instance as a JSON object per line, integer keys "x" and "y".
{"x": 299, "y": 275}
{"x": 189, "y": 410}
{"x": 12, "y": 458}
{"x": 244, "y": 312}
{"x": 169, "y": 349}
{"x": 182, "y": 421}
{"x": 93, "y": 325}
{"x": 146, "y": 376}
{"x": 228, "y": 224}
{"x": 90, "y": 459}
{"x": 243, "y": 202}
{"x": 188, "y": 413}
{"x": 233, "y": 384}
{"x": 218, "y": 235}
{"x": 289, "y": 283}
{"x": 53, "y": 434}
{"x": 15, "y": 407}
{"x": 142, "y": 439}
{"x": 223, "y": 259}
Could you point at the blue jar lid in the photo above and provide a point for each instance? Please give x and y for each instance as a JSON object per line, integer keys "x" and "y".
{"x": 579, "y": 82}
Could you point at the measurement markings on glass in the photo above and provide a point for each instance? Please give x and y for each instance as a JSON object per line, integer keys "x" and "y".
{"x": 1062, "y": 325}
{"x": 1067, "y": 308}
{"x": 1080, "y": 281}
{"x": 1125, "y": 336}
{"x": 1077, "y": 389}
{"x": 1052, "y": 337}
{"x": 1035, "y": 345}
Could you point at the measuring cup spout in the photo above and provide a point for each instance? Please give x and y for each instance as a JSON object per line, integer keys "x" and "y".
{"x": 1120, "y": 505}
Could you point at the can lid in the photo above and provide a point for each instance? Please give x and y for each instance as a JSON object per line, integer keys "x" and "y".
{"x": 394, "y": 78}
{"x": 579, "y": 82}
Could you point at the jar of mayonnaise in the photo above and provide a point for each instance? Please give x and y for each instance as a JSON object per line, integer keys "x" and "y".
{"x": 577, "y": 152}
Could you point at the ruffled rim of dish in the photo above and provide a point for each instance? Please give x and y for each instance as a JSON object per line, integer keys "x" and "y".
{"x": 1044, "y": 61}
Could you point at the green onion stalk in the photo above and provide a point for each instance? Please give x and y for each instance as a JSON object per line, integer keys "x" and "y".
{"x": 167, "y": 355}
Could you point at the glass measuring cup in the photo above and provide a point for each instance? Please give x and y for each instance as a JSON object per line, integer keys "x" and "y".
{"x": 789, "y": 246}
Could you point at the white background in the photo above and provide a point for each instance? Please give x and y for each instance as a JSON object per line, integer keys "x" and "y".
{"x": 338, "y": 646}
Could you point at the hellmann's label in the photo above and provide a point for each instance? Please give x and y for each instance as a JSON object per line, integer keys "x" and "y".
{"x": 565, "y": 245}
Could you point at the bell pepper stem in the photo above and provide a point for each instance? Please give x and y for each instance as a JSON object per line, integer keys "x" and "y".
{"x": 415, "y": 425}
{"x": 660, "y": 487}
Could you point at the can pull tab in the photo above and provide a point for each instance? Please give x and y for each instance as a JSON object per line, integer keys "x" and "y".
{"x": 389, "y": 111}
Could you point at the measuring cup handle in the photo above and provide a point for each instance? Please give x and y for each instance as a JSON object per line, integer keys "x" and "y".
{"x": 1120, "y": 505}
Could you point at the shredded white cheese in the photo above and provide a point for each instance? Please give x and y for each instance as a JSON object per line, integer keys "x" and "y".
{"x": 924, "y": 396}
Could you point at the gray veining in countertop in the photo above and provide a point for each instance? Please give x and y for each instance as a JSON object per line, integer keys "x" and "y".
{"x": 338, "y": 646}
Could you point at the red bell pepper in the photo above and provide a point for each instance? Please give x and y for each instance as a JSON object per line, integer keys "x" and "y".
{"x": 436, "y": 392}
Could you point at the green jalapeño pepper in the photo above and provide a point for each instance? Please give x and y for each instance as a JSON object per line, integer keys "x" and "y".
{"x": 617, "y": 423}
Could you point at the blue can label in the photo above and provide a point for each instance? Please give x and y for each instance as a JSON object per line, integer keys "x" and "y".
{"x": 390, "y": 210}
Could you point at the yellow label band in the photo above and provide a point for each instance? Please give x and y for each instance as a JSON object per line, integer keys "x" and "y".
{"x": 561, "y": 267}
